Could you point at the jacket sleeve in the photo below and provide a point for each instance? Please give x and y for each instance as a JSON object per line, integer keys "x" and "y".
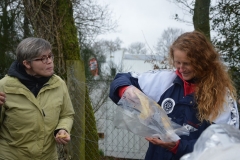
{"x": 67, "y": 112}
{"x": 185, "y": 146}
{"x": 121, "y": 79}
{"x": 230, "y": 113}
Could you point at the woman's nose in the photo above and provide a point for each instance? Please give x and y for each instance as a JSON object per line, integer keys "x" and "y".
{"x": 181, "y": 67}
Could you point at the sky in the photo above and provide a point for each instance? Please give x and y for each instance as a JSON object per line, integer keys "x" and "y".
{"x": 144, "y": 20}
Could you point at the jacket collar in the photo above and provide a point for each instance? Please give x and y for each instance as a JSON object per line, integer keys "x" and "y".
{"x": 187, "y": 85}
{"x": 32, "y": 83}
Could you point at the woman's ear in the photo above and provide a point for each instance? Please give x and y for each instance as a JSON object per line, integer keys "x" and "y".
{"x": 27, "y": 64}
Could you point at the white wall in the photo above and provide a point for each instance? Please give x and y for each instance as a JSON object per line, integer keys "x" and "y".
{"x": 137, "y": 66}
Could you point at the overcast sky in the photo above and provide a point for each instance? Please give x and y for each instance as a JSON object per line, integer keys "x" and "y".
{"x": 144, "y": 20}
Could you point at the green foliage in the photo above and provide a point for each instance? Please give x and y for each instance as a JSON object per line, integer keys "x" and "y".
{"x": 101, "y": 153}
{"x": 235, "y": 74}
{"x": 225, "y": 22}
{"x": 9, "y": 34}
{"x": 5, "y": 62}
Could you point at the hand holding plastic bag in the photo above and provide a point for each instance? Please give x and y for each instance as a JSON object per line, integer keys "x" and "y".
{"x": 144, "y": 117}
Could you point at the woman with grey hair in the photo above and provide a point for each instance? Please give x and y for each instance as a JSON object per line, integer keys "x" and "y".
{"x": 36, "y": 112}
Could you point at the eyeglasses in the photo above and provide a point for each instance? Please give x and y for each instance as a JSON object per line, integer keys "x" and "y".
{"x": 45, "y": 58}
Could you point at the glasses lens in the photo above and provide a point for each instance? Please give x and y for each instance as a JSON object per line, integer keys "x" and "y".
{"x": 51, "y": 57}
{"x": 45, "y": 58}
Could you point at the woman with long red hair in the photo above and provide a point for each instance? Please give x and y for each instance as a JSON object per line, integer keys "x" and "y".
{"x": 197, "y": 93}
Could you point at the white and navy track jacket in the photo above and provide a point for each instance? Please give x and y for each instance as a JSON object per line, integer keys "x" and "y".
{"x": 166, "y": 88}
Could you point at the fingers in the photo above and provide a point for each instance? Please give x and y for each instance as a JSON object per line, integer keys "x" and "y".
{"x": 154, "y": 140}
{"x": 2, "y": 98}
{"x": 130, "y": 95}
{"x": 61, "y": 141}
{"x": 62, "y": 137}
{"x": 157, "y": 141}
{"x": 130, "y": 91}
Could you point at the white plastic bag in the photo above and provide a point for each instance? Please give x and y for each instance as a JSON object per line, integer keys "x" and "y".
{"x": 144, "y": 117}
{"x": 217, "y": 142}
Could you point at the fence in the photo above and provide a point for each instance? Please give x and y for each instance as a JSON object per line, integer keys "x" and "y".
{"x": 113, "y": 143}
{"x": 93, "y": 136}
{"x": 117, "y": 142}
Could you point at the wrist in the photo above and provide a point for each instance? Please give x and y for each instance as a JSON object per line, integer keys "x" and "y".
{"x": 175, "y": 148}
{"x": 121, "y": 90}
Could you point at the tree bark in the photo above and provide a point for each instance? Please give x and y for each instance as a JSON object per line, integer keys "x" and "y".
{"x": 76, "y": 86}
{"x": 201, "y": 17}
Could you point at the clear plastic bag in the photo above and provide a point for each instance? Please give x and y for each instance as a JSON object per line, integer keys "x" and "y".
{"x": 144, "y": 117}
{"x": 217, "y": 142}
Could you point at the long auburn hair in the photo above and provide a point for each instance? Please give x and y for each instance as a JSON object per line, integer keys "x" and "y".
{"x": 210, "y": 74}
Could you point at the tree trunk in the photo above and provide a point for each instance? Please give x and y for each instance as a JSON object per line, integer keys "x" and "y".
{"x": 201, "y": 17}
{"x": 76, "y": 86}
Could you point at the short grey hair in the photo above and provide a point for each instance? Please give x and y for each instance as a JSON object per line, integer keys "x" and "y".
{"x": 30, "y": 48}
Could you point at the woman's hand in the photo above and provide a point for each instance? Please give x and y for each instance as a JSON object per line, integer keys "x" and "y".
{"x": 157, "y": 141}
{"x": 2, "y": 98}
{"x": 62, "y": 137}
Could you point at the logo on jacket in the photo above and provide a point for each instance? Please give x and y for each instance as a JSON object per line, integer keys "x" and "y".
{"x": 168, "y": 105}
{"x": 190, "y": 128}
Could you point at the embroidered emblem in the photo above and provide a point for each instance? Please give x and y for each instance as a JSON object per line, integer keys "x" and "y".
{"x": 168, "y": 105}
{"x": 188, "y": 127}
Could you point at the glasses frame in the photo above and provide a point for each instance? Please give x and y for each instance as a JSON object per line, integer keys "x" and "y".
{"x": 44, "y": 58}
